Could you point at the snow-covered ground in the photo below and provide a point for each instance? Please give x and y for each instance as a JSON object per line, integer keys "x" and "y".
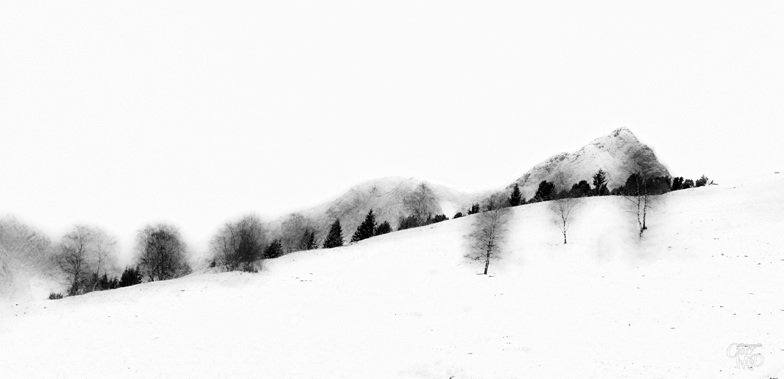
{"x": 708, "y": 273}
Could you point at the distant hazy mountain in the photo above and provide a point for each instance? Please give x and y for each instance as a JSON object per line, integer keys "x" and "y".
{"x": 615, "y": 153}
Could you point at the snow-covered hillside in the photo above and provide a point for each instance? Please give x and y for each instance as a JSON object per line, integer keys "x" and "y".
{"x": 707, "y": 274}
{"x": 614, "y": 153}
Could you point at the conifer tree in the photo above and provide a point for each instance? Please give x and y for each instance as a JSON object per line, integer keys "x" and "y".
{"x": 274, "y": 250}
{"x": 335, "y": 236}
{"x": 545, "y": 192}
{"x": 383, "y": 228}
{"x": 366, "y": 228}
{"x": 308, "y": 241}
{"x": 516, "y": 197}
{"x": 600, "y": 183}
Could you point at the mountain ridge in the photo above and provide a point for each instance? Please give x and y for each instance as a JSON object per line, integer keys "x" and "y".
{"x": 615, "y": 153}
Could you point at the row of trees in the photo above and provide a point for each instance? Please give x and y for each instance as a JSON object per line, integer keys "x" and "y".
{"x": 87, "y": 255}
{"x": 641, "y": 190}
{"x": 88, "y": 258}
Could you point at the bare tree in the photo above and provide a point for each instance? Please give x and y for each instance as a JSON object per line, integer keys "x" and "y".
{"x": 488, "y": 235}
{"x": 292, "y": 230}
{"x": 161, "y": 252}
{"x": 83, "y": 252}
{"x": 640, "y": 187}
{"x": 495, "y": 201}
{"x": 420, "y": 203}
{"x": 238, "y": 245}
{"x": 105, "y": 257}
{"x": 564, "y": 209}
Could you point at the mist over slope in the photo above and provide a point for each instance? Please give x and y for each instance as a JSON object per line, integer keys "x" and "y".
{"x": 27, "y": 270}
{"x": 614, "y": 153}
{"x": 706, "y": 274}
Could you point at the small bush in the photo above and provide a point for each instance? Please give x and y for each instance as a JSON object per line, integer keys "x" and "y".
{"x": 439, "y": 218}
{"x": 55, "y": 296}
{"x": 458, "y": 215}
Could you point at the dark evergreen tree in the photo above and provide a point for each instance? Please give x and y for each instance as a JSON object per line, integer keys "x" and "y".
{"x": 474, "y": 209}
{"x": 633, "y": 185}
{"x": 439, "y": 218}
{"x": 702, "y": 181}
{"x": 407, "y": 222}
{"x": 677, "y": 183}
{"x": 274, "y": 250}
{"x": 457, "y": 215}
{"x": 131, "y": 276}
{"x": 383, "y": 228}
{"x": 335, "y": 236}
{"x": 366, "y": 229}
{"x": 545, "y": 192}
{"x": 600, "y": 183}
{"x": 580, "y": 189}
{"x": 308, "y": 240}
{"x": 688, "y": 183}
{"x": 516, "y": 198}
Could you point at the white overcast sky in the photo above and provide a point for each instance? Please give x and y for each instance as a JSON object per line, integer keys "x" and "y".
{"x": 122, "y": 113}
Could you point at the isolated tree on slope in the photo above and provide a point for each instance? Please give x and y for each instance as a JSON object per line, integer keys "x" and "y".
{"x": 366, "y": 229}
{"x": 564, "y": 213}
{"x": 162, "y": 254}
{"x": 488, "y": 235}
{"x": 239, "y": 244}
{"x": 516, "y": 198}
{"x": 335, "y": 236}
{"x": 641, "y": 188}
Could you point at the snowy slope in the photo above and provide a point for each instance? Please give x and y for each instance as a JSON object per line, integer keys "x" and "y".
{"x": 612, "y": 153}
{"x": 707, "y": 274}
